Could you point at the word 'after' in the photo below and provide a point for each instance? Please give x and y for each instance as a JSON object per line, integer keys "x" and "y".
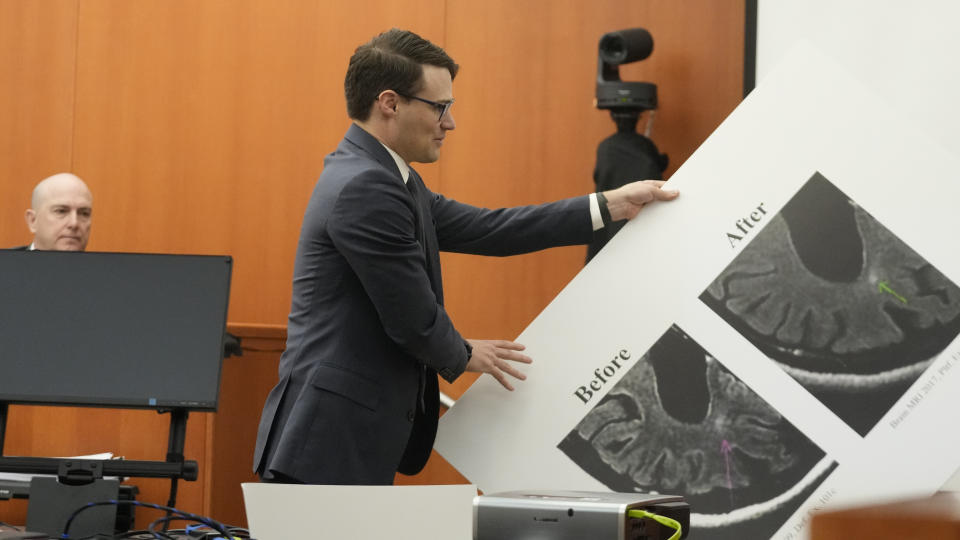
{"x": 744, "y": 225}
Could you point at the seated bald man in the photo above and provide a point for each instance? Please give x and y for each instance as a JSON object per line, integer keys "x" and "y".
{"x": 60, "y": 213}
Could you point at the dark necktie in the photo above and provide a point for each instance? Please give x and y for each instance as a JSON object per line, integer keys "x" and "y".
{"x": 413, "y": 186}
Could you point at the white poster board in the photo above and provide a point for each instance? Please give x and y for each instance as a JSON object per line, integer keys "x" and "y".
{"x": 297, "y": 512}
{"x": 904, "y": 51}
{"x": 780, "y": 338}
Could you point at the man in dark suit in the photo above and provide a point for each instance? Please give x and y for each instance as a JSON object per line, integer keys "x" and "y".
{"x": 357, "y": 397}
{"x": 60, "y": 214}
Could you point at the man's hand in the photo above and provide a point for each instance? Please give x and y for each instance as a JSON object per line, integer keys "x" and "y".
{"x": 626, "y": 201}
{"x": 493, "y": 356}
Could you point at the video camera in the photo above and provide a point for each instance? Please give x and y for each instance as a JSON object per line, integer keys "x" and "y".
{"x": 624, "y": 100}
{"x": 626, "y": 155}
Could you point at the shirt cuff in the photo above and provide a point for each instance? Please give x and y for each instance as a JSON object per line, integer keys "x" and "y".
{"x": 595, "y": 216}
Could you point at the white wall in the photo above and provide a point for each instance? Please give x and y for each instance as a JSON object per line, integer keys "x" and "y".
{"x": 908, "y": 52}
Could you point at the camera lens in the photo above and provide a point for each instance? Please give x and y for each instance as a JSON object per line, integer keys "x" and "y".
{"x": 626, "y": 46}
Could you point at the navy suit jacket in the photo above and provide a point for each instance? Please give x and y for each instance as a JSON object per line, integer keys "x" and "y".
{"x": 357, "y": 397}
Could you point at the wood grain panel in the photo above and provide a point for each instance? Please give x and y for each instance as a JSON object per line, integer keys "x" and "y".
{"x": 206, "y": 123}
{"x": 37, "y": 58}
{"x": 930, "y": 518}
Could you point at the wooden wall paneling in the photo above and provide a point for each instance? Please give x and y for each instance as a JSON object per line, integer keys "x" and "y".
{"x": 697, "y": 65}
{"x": 181, "y": 120}
{"x": 245, "y": 382}
{"x": 204, "y": 125}
{"x": 37, "y": 53}
{"x": 929, "y": 518}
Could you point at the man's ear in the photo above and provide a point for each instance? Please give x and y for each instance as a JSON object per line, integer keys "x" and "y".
{"x": 31, "y": 218}
{"x": 388, "y": 101}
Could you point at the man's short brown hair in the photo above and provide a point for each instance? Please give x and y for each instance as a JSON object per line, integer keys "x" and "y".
{"x": 394, "y": 61}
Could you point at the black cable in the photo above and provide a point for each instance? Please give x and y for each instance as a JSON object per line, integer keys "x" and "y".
{"x": 213, "y": 524}
{"x": 166, "y": 523}
{"x": 235, "y": 532}
{"x": 132, "y": 534}
{"x": 187, "y": 532}
{"x": 190, "y": 533}
{"x": 172, "y": 500}
{"x": 145, "y": 534}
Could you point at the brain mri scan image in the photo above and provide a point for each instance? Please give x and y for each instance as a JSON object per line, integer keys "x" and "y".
{"x": 678, "y": 422}
{"x": 839, "y": 302}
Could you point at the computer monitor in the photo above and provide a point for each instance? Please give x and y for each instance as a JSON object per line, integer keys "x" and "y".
{"x": 120, "y": 330}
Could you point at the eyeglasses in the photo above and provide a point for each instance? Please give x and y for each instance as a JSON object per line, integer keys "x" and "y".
{"x": 441, "y": 107}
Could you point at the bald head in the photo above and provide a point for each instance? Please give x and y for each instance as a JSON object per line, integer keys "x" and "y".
{"x": 60, "y": 213}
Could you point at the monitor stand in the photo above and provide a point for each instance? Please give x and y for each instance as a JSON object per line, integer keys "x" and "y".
{"x": 92, "y": 471}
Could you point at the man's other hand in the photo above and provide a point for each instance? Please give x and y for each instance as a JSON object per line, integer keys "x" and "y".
{"x": 495, "y": 356}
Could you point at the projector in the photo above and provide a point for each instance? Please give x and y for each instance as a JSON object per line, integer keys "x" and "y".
{"x": 575, "y": 515}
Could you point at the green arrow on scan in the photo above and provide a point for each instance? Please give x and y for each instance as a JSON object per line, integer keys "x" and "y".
{"x": 884, "y": 288}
